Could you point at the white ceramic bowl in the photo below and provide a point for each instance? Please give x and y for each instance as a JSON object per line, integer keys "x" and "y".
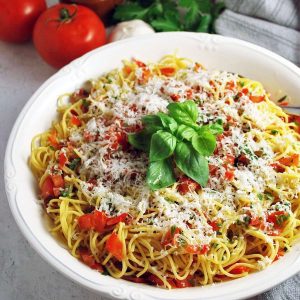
{"x": 213, "y": 51}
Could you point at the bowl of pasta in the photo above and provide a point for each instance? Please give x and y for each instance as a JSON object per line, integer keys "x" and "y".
{"x": 167, "y": 163}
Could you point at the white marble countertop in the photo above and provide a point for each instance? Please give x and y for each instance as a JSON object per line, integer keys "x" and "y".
{"x": 23, "y": 274}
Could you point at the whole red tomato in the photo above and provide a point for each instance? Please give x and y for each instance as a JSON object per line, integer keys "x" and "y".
{"x": 17, "y": 18}
{"x": 64, "y": 32}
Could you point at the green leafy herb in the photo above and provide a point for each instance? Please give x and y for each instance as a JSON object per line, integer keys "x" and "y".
{"x": 172, "y": 15}
{"x": 274, "y": 132}
{"x": 176, "y": 138}
{"x": 160, "y": 174}
{"x": 269, "y": 196}
{"x": 167, "y": 121}
{"x": 74, "y": 163}
{"x": 280, "y": 219}
{"x": 184, "y": 112}
{"x": 191, "y": 163}
{"x": 162, "y": 145}
{"x": 185, "y": 132}
{"x": 260, "y": 197}
{"x": 282, "y": 99}
{"x": 140, "y": 140}
{"x": 247, "y": 220}
{"x": 204, "y": 143}
{"x": 173, "y": 229}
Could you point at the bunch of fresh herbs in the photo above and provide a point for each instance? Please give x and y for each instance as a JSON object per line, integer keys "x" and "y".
{"x": 176, "y": 139}
{"x": 172, "y": 15}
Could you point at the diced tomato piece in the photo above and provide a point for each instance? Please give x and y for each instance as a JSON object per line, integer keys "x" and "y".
{"x": 255, "y": 222}
{"x": 214, "y": 224}
{"x": 245, "y": 91}
{"x": 229, "y": 159}
{"x": 243, "y": 160}
{"x": 139, "y": 63}
{"x": 278, "y": 218}
{"x": 239, "y": 270}
{"x": 62, "y": 160}
{"x": 86, "y": 222}
{"x": 229, "y": 174}
{"x": 47, "y": 188}
{"x": 285, "y": 103}
{"x": 167, "y": 71}
{"x": 212, "y": 169}
{"x": 157, "y": 281}
{"x": 56, "y": 191}
{"x": 277, "y": 167}
{"x": 189, "y": 94}
{"x": 89, "y": 260}
{"x": 116, "y": 220}
{"x": 95, "y": 220}
{"x": 58, "y": 181}
{"x": 289, "y": 161}
{"x": 175, "y": 97}
{"x": 145, "y": 76}
{"x": 115, "y": 246}
{"x": 296, "y": 120}
{"x": 170, "y": 237}
{"x": 195, "y": 249}
{"x": 187, "y": 185}
{"x": 135, "y": 279}
{"x": 230, "y": 85}
{"x": 53, "y": 139}
{"x": 121, "y": 139}
{"x": 127, "y": 70}
{"x": 257, "y": 99}
{"x": 99, "y": 219}
{"x": 75, "y": 120}
{"x": 184, "y": 283}
{"x": 279, "y": 254}
{"x": 88, "y": 136}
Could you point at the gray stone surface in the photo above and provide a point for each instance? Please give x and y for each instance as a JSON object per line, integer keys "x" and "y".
{"x": 23, "y": 274}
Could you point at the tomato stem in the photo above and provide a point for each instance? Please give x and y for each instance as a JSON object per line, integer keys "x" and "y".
{"x": 65, "y": 16}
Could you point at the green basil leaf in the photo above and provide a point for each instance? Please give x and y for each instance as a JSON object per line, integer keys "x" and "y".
{"x": 185, "y": 112}
{"x": 168, "y": 122}
{"x": 191, "y": 163}
{"x": 162, "y": 145}
{"x": 140, "y": 140}
{"x": 152, "y": 123}
{"x": 217, "y": 127}
{"x": 204, "y": 143}
{"x": 160, "y": 174}
{"x": 185, "y": 132}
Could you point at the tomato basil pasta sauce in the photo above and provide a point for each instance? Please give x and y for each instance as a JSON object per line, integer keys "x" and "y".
{"x": 171, "y": 175}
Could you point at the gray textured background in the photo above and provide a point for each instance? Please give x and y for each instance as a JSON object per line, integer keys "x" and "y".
{"x": 23, "y": 274}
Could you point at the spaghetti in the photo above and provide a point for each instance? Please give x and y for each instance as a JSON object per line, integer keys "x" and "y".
{"x": 93, "y": 186}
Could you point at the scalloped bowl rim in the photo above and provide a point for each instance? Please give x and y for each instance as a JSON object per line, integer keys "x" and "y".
{"x": 15, "y": 163}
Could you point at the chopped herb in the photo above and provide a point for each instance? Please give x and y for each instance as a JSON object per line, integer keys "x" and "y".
{"x": 85, "y": 103}
{"x": 74, "y": 163}
{"x": 280, "y": 219}
{"x": 173, "y": 229}
{"x": 282, "y": 99}
{"x": 52, "y": 148}
{"x": 66, "y": 192}
{"x": 269, "y": 196}
{"x": 274, "y": 132}
{"x": 260, "y": 197}
{"x": 247, "y": 220}
{"x": 219, "y": 232}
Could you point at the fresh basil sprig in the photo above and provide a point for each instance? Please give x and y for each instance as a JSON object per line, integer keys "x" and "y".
{"x": 176, "y": 139}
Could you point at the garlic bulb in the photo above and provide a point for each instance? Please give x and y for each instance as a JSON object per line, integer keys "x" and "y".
{"x": 129, "y": 29}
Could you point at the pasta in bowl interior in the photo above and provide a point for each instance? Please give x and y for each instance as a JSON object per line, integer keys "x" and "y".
{"x": 172, "y": 175}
